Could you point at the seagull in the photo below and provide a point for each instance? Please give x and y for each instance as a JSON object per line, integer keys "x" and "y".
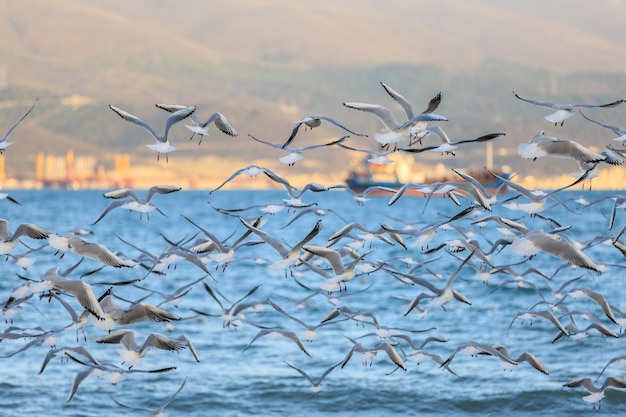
{"x": 418, "y": 130}
{"x": 202, "y": 128}
{"x": 315, "y": 121}
{"x": 594, "y": 296}
{"x": 3, "y": 142}
{"x": 541, "y": 145}
{"x": 310, "y": 333}
{"x": 128, "y": 199}
{"x": 289, "y": 255}
{"x": 367, "y": 354}
{"x": 79, "y": 322}
{"x": 199, "y": 127}
{"x": 596, "y": 394}
{"x": 418, "y": 354}
{"x": 137, "y": 313}
{"x": 275, "y": 333}
{"x": 342, "y": 274}
{"x": 296, "y": 154}
{"x": 577, "y": 333}
{"x": 374, "y": 157}
{"x": 535, "y": 241}
{"x": 232, "y": 315}
{"x": 132, "y": 353}
{"x": 5, "y": 196}
{"x": 618, "y": 130}
{"x": 447, "y": 146}
{"x": 83, "y": 247}
{"x": 396, "y": 132}
{"x": 224, "y": 254}
{"x": 523, "y": 357}
{"x": 108, "y": 371}
{"x": 619, "y": 361}
{"x": 441, "y": 297}
{"x": 316, "y": 386}
{"x": 531, "y": 315}
{"x": 537, "y": 198}
{"x": 63, "y": 351}
{"x": 48, "y": 338}
{"x": 9, "y": 241}
{"x": 314, "y": 210}
{"x": 175, "y": 297}
{"x": 170, "y": 256}
{"x": 295, "y": 199}
{"x": 162, "y": 144}
{"x": 79, "y": 289}
{"x": 253, "y": 171}
{"x": 474, "y": 348}
{"x": 157, "y": 412}
{"x": 565, "y": 111}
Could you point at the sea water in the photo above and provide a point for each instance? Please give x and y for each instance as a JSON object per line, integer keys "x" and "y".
{"x": 231, "y": 381}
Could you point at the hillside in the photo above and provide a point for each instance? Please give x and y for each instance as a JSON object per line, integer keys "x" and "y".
{"x": 268, "y": 64}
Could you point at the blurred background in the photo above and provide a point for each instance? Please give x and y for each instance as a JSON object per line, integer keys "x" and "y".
{"x": 267, "y": 64}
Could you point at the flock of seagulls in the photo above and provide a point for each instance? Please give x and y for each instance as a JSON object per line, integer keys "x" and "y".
{"x": 481, "y": 231}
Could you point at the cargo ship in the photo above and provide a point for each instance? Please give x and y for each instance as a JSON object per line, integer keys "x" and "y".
{"x": 364, "y": 174}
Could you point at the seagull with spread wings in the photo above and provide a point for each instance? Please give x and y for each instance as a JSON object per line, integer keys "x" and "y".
{"x": 565, "y": 111}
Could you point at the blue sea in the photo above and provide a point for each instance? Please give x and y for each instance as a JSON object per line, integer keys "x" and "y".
{"x": 230, "y": 380}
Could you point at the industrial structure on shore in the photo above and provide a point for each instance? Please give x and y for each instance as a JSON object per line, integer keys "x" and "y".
{"x": 72, "y": 171}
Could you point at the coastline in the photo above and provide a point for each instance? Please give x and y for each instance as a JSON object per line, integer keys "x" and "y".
{"x": 191, "y": 173}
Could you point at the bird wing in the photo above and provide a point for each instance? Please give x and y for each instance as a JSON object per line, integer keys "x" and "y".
{"x": 174, "y": 118}
{"x": 273, "y": 145}
{"x": 160, "y": 341}
{"x": 616, "y": 129}
{"x": 6, "y": 136}
{"x": 222, "y": 123}
{"x": 433, "y": 104}
{"x": 383, "y": 113}
{"x": 331, "y": 255}
{"x": 30, "y": 230}
{"x": 484, "y": 138}
{"x": 161, "y": 189}
{"x": 147, "y": 312}
{"x": 114, "y": 204}
{"x": 406, "y": 104}
{"x": 537, "y": 102}
{"x": 134, "y": 119}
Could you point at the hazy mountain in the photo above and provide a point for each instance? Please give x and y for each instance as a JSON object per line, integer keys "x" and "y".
{"x": 267, "y": 64}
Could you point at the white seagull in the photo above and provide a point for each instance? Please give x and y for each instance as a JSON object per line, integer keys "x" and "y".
{"x": 3, "y": 142}
{"x": 127, "y": 198}
{"x": 315, "y": 121}
{"x": 157, "y": 412}
{"x": 289, "y": 255}
{"x": 108, "y": 371}
{"x": 541, "y": 145}
{"x": 253, "y": 171}
{"x": 202, "y": 128}
{"x": 9, "y": 241}
{"x": 132, "y": 353}
{"x": 316, "y": 386}
{"x": 162, "y": 144}
{"x": 565, "y": 111}
{"x": 621, "y": 133}
{"x": 396, "y": 132}
{"x": 596, "y": 394}
{"x": 296, "y": 154}
{"x": 535, "y": 241}
{"x": 418, "y": 130}
{"x": 447, "y": 146}
{"x": 83, "y": 247}
{"x": 5, "y": 196}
